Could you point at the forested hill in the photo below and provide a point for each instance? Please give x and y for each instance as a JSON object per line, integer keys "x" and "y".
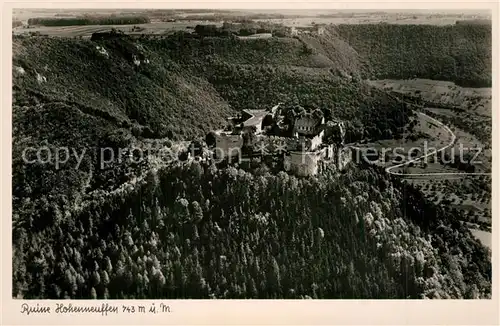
{"x": 197, "y": 231}
{"x": 459, "y": 53}
{"x": 92, "y": 94}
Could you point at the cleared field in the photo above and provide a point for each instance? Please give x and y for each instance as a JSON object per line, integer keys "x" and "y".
{"x": 458, "y": 195}
{"x": 256, "y": 36}
{"x": 411, "y": 146}
{"x": 477, "y": 100}
{"x": 467, "y": 111}
{"x": 25, "y": 14}
{"x": 370, "y": 18}
{"x": 158, "y": 28}
{"x": 483, "y": 236}
{"x": 435, "y": 168}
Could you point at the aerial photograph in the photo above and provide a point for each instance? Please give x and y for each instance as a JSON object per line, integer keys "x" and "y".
{"x": 251, "y": 154}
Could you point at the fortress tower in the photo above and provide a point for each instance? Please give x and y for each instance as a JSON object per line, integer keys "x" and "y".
{"x": 309, "y": 141}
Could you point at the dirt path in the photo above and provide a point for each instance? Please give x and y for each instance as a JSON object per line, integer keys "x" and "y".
{"x": 483, "y": 236}
{"x": 450, "y": 144}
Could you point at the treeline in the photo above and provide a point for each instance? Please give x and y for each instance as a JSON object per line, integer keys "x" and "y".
{"x": 367, "y": 112}
{"x": 16, "y": 23}
{"x": 198, "y": 231}
{"x": 216, "y": 17}
{"x": 460, "y": 53}
{"x": 241, "y": 29}
{"x": 474, "y": 22}
{"x": 176, "y": 87}
{"x": 90, "y": 20}
{"x": 74, "y": 110}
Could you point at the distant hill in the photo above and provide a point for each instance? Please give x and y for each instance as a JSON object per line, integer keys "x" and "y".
{"x": 183, "y": 86}
{"x": 196, "y": 230}
{"x": 460, "y": 53}
{"x": 110, "y": 91}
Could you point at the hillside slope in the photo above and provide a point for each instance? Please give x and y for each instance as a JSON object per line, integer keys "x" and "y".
{"x": 119, "y": 83}
{"x": 191, "y": 230}
{"x": 80, "y": 94}
{"x": 460, "y": 53}
{"x": 196, "y": 231}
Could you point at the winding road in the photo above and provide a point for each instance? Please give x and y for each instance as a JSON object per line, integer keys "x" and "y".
{"x": 451, "y": 143}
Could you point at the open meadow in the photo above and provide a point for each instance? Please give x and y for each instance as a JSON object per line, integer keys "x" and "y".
{"x": 166, "y": 21}
{"x": 467, "y": 112}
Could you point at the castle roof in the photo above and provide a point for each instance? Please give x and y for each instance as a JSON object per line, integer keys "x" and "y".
{"x": 255, "y": 117}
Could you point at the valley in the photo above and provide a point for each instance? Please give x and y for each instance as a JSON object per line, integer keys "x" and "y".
{"x": 467, "y": 111}
{"x": 157, "y": 221}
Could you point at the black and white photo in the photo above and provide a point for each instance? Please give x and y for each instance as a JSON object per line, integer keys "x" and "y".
{"x": 251, "y": 154}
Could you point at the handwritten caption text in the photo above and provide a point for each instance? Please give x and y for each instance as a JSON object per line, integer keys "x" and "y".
{"x": 104, "y": 309}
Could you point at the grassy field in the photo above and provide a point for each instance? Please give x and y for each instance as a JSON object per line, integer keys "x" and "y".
{"x": 157, "y": 28}
{"x": 464, "y": 108}
{"x": 467, "y": 111}
{"x": 366, "y": 19}
{"x": 477, "y": 100}
{"x": 469, "y": 195}
{"x": 484, "y": 237}
{"x": 164, "y": 21}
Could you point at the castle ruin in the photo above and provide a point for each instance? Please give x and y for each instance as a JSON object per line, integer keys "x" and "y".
{"x": 304, "y": 139}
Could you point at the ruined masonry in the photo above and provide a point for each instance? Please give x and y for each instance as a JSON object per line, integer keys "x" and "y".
{"x": 304, "y": 140}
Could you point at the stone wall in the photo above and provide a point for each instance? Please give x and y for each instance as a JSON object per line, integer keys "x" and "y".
{"x": 291, "y": 143}
{"x": 228, "y": 145}
{"x": 302, "y": 163}
{"x": 344, "y": 157}
{"x": 316, "y": 141}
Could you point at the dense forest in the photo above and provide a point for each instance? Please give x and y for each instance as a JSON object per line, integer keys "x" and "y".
{"x": 196, "y": 230}
{"x": 460, "y": 53}
{"x": 89, "y": 20}
{"x": 176, "y": 87}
